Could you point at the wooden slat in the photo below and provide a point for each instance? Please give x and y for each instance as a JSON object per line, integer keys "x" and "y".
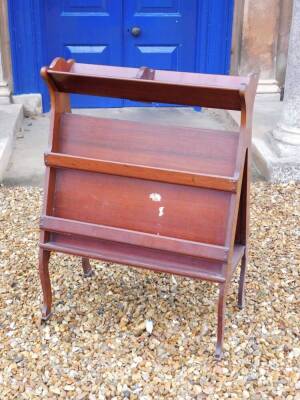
{"x": 237, "y": 254}
{"x": 203, "y": 250}
{"x": 191, "y": 94}
{"x": 185, "y": 78}
{"x": 159, "y": 264}
{"x": 187, "y": 149}
{"x": 141, "y": 172}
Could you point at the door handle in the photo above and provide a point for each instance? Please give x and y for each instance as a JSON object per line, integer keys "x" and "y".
{"x": 136, "y": 31}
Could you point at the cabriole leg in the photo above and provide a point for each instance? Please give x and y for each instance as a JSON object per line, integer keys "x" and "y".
{"x": 44, "y": 256}
{"x": 86, "y": 266}
{"x": 221, "y": 315}
{"x": 241, "y": 293}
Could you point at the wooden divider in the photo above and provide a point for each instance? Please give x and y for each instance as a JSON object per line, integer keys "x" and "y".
{"x": 139, "y": 171}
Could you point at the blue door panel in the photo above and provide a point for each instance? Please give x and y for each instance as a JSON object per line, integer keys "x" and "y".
{"x": 90, "y": 31}
{"x": 214, "y": 36}
{"x": 95, "y": 6}
{"x": 166, "y": 31}
{"x": 162, "y": 57}
{"x": 162, "y": 6}
{"x": 191, "y": 35}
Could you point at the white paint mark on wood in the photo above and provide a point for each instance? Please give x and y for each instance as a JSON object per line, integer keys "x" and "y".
{"x": 155, "y": 196}
{"x": 161, "y": 211}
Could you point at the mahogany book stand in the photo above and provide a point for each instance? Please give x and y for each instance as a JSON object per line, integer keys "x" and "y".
{"x": 167, "y": 198}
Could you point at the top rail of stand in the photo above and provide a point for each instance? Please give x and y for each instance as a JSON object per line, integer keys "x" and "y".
{"x": 148, "y": 85}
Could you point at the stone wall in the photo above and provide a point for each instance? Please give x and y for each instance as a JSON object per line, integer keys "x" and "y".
{"x": 260, "y": 40}
{"x": 5, "y": 61}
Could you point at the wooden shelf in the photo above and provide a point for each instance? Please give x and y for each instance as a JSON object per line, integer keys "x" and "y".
{"x": 187, "y": 149}
{"x": 156, "y": 260}
{"x": 216, "y": 91}
{"x": 175, "y": 77}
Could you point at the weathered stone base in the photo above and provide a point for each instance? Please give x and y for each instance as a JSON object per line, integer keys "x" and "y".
{"x": 272, "y": 167}
{"x": 11, "y": 117}
{"x": 5, "y": 95}
{"x": 32, "y": 103}
{"x": 267, "y": 86}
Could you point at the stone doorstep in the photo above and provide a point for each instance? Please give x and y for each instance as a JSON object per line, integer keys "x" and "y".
{"x": 11, "y": 118}
{"x": 272, "y": 167}
{"x": 234, "y": 117}
{"x": 266, "y": 163}
{"x": 32, "y": 103}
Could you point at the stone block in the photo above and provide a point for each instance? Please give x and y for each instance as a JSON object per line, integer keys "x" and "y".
{"x": 272, "y": 167}
{"x": 11, "y": 117}
{"x": 32, "y": 103}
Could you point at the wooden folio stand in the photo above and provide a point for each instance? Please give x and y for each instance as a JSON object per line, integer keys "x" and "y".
{"x": 167, "y": 198}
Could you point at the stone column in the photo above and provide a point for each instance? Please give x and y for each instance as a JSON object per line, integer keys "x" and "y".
{"x": 287, "y": 132}
{"x": 5, "y": 62}
{"x": 285, "y": 18}
{"x": 259, "y": 42}
{"x": 4, "y": 88}
{"x": 277, "y": 154}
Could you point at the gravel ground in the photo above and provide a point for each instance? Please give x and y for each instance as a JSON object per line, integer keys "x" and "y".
{"x": 96, "y": 345}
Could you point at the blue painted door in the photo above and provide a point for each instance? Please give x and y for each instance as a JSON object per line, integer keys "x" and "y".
{"x": 153, "y": 33}
{"x": 90, "y": 31}
{"x": 166, "y": 34}
{"x": 189, "y": 35}
{"x": 160, "y": 34}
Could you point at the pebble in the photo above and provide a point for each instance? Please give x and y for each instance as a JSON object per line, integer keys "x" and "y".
{"x": 19, "y": 358}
